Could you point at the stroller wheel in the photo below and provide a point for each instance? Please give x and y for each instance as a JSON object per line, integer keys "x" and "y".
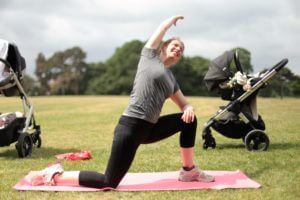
{"x": 257, "y": 140}
{"x": 24, "y": 145}
{"x": 209, "y": 142}
{"x": 37, "y": 140}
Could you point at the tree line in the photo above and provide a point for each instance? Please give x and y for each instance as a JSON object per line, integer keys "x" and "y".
{"x": 67, "y": 73}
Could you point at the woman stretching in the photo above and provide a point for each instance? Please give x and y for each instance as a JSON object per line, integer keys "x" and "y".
{"x": 141, "y": 122}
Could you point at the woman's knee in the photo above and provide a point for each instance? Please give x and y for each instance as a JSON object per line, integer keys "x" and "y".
{"x": 96, "y": 180}
{"x": 192, "y": 124}
{"x": 188, "y": 134}
{"x": 195, "y": 121}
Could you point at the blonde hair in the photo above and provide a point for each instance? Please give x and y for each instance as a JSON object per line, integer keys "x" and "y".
{"x": 167, "y": 42}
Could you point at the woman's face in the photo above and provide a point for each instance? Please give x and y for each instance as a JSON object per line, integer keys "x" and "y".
{"x": 174, "y": 50}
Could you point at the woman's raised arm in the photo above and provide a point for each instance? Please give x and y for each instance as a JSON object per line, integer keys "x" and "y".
{"x": 159, "y": 33}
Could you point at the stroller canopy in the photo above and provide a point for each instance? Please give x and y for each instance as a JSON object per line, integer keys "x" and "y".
{"x": 3, "y": 53}
{"x": 10, "y": 53}
{"x": 218, "y": 70}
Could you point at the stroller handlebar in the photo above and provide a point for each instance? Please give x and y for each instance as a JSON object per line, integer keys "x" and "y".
{"x": 280, "y": 65}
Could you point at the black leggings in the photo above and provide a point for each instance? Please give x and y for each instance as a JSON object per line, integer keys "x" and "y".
{"x": 129, "y": 134}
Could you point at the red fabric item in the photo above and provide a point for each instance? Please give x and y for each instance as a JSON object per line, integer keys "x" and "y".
{"x": 82, "y": 155}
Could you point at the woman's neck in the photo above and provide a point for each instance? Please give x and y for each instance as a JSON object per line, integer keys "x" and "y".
{"x": 168, "y": 62}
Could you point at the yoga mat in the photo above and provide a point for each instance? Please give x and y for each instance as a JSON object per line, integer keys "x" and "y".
{"x": 155, "y": 181}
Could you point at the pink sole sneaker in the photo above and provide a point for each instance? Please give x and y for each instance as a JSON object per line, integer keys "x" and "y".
{"x": 195, "y": 175}
{"x": 45, "y": 176}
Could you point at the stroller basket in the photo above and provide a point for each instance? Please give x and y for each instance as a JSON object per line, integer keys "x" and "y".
{"x": 8, "y": 135}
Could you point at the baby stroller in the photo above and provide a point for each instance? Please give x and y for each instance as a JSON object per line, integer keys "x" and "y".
{"x": 239, "y": 118}
{"x": 16, "y": 126}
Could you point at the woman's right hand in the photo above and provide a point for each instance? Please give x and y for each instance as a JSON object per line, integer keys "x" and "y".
{"x": 172, "y": 21}
{"x": 157, "y": 36}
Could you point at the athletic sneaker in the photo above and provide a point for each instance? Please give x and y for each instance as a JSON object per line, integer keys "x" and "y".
{"x": 194, "y": 175}
{"x": 45, "y": 176}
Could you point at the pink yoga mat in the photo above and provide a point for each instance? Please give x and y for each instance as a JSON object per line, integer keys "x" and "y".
{"x": 158, "y": 181}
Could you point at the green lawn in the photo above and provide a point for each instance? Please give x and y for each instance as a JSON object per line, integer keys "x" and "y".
{"x": 76, "y": 123}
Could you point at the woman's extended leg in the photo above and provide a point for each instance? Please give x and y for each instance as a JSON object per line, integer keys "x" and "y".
{"x": 122, "y": 154}
{"x": 68, "y": 178}
{"x": 127, "y": 137}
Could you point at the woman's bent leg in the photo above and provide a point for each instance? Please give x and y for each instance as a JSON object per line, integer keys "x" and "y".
{"x": 167, "y": 126}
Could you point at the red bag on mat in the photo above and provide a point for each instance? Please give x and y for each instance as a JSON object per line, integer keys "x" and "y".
{"x": 82, "y": 155}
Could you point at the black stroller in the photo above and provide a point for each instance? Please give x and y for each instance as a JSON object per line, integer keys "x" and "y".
{"x": 16, "y": 126}
{"x": 239, "y": 118}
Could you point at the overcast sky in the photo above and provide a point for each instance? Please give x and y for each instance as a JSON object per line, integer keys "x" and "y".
{"x": 269, "y": 29}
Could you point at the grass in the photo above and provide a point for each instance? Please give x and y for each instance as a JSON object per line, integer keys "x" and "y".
{"x": 75, "y": 123}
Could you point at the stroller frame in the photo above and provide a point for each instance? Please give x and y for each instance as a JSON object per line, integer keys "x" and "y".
{"x": 256, "y": 139}
{"x": 28, "y": 133}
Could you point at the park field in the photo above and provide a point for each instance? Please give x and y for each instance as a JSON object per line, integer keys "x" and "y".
{"x": 74, "y": 123}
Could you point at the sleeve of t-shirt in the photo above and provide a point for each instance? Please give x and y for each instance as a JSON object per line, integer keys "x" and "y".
{"x": 176, "y": 87}
{"x": 149, "y": 53}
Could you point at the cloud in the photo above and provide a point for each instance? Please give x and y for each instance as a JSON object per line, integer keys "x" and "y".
{"x": 268, "y": 29}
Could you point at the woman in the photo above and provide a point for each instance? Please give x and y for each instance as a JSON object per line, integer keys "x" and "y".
{"x": 140, "y": 122}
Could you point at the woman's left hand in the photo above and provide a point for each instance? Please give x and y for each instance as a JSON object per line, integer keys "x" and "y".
{"x": 188, "y": 114}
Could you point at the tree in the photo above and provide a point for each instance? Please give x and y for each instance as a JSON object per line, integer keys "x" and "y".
{"x": 63, "y": 72}
{"x": 30, "y": 85}
{"x": 295, "y": 85}
{"x": 189, "y": 73}
{"x": 95, "y": 78}
{"x": 285, "y": 83}
{"x": 42, "y": 73}
{"x": 117, "y": 73}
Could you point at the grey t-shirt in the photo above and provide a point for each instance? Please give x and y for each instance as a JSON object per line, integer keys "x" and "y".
{"x": 153, "y": 84}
